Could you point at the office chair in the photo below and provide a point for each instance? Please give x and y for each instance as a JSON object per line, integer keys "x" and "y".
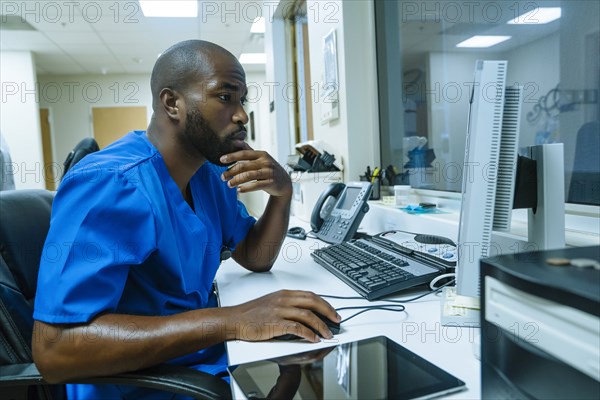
{"x": 586, "y": 167}
{"x": 82, "y": 149}
{"x": 24, "y": 224}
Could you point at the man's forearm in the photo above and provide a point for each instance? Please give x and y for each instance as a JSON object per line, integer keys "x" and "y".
{"x": 120, "y": 343}
{"x": 258, "y": 251}
{"x": 116, "y": 343}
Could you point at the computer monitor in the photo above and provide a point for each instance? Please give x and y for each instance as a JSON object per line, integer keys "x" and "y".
{"x": 488, "y": 177}
{"x": 489, "y": 185}
{"x": 489, "y": 169}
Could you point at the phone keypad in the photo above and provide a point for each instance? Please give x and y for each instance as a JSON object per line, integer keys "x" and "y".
{"x": 340, "y": 227}
{"x": 358, "y": 198}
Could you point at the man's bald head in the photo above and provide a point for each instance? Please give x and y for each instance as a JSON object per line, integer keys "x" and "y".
{"x": 182, "y": 64}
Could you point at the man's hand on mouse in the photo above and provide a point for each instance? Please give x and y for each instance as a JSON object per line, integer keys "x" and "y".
{"x": 256, "y": 170}
{"x": 279, "y": 313}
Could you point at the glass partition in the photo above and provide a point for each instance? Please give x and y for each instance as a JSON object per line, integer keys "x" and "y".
{"x": 426, "y": 54}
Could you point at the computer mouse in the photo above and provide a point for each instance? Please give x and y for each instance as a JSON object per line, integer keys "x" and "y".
{"x": 297, "y": 232}
{"x": 334, "y": 327}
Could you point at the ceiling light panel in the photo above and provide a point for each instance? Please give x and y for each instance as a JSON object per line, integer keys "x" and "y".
{"x": 258, "y": 26}
{"x": 169, "y": 9}
{"x": 537, "y": 16}
{"x": 482, "y": 41}
{"x": 253, "y": 58}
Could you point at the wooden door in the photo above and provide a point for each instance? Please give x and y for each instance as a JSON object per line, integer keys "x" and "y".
{"x": 50, "y": 170}
{"x": 112, "y": 123}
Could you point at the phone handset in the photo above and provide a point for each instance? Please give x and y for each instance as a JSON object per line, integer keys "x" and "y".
{"x": 325, "y": 204}
{"x": 339, "y": 211}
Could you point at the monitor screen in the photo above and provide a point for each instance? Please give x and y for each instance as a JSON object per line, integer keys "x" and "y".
{"x": 370, "y": 368}
{"x": 348, "y": 199}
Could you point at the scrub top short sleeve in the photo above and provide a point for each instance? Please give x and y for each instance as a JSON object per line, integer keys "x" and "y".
{"x": 90, "y": 247}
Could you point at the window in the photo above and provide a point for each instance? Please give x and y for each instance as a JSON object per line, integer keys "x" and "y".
{"x": 553, "y": 51}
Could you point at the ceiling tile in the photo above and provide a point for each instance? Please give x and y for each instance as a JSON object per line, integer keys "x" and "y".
{"x": 63, "y": 68}
{"x": 115, "y": 34}
{"x": 89, "y": 38}
{"x": 26, "y": 40}
{"x": 95, "y": 59}
{"x": 57, "y": 19}
{"x": 50, "y": 58}
{"x": 81, "y": 50}
{"x": 138, "y": 38}
{"x": 103, "y": 68}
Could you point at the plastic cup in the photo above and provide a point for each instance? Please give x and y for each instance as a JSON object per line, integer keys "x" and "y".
{"x": 401, "y": 193}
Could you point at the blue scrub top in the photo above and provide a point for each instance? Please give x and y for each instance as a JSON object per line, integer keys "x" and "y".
{"x": 123, "y": 240}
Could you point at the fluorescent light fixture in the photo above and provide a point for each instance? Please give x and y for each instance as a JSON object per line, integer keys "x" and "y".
{"x": 483, "y": 41}
{"x": 253, "y": 58}
{"x": 537, "y": 16}
{"x": 176, "y": 8}
{"x": 258, "y": 26}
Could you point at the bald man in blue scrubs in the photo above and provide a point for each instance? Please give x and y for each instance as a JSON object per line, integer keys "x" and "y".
{"x": 137, "y": 231}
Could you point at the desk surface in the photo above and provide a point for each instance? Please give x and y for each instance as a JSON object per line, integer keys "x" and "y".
{"x": 418, "y": 328}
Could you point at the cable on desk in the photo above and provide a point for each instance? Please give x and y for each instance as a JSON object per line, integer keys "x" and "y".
{"x": 439, "y": 278}
{"x": 384, "y": 307}
{"x": 438, "y": 289}
{"x": 308, "y": 234}
{"x": 397, "y": 304}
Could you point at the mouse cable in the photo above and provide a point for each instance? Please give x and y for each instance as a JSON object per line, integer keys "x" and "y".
{"x": 383, "y": 307}
{"x": 308, "y": 234}
{"x": 439, "y": 278}
{"x": 438, "y": 289}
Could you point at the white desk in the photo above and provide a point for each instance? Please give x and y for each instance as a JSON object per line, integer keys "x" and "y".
{"x": 417, "y": 329}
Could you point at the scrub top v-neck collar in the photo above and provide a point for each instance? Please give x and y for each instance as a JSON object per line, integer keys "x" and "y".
{"x": 173, "y": 192}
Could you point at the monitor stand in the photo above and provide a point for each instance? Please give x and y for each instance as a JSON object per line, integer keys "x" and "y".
{"x": 460, "y": 311}
{"x": 545, "y": 230}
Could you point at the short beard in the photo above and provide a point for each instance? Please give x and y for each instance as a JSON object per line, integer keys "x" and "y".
{"x": 203, "y": 138}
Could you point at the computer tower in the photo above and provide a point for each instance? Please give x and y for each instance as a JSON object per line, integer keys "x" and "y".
{"x": 540, "y": 326}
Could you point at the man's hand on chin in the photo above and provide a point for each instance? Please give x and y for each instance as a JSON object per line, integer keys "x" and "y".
{"x": 256, "y": 170}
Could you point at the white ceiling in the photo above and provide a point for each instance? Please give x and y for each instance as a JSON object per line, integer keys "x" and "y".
{"x": 106, "y": 36}
{"x": 441, "y": 26}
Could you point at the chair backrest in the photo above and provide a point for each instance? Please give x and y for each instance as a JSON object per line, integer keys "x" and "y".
{"x": 584, "y": 179}
{"x": 82, "y": 149}
{"x": 24, "y": 224}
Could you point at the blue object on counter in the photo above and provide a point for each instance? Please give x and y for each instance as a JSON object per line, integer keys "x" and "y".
{"x": 415, "y": 209}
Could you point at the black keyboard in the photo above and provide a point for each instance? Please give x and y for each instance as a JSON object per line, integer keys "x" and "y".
{"x": 372, "y": 270}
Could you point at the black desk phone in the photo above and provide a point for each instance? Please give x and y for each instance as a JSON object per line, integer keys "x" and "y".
{"x": 339, "y": 211}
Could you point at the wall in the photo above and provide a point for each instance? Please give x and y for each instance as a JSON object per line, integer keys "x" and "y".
{"x": 535, "y": 67}
{"x": 448, "y": 81}
{"x": 577, "y": 72}
{"x": 355, "y": 135}
{"x": 447, "y": 95}
{"x": 20, "y": 119}
{"x": 70, "y": 99}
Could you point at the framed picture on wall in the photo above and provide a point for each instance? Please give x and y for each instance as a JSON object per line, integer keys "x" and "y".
{"x": 329, "y": 95}
{"x": 330, "y": 67}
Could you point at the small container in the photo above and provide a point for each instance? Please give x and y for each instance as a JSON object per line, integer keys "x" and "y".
{"x": 401, "y": 193}
{"x": 376, "y": 189}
